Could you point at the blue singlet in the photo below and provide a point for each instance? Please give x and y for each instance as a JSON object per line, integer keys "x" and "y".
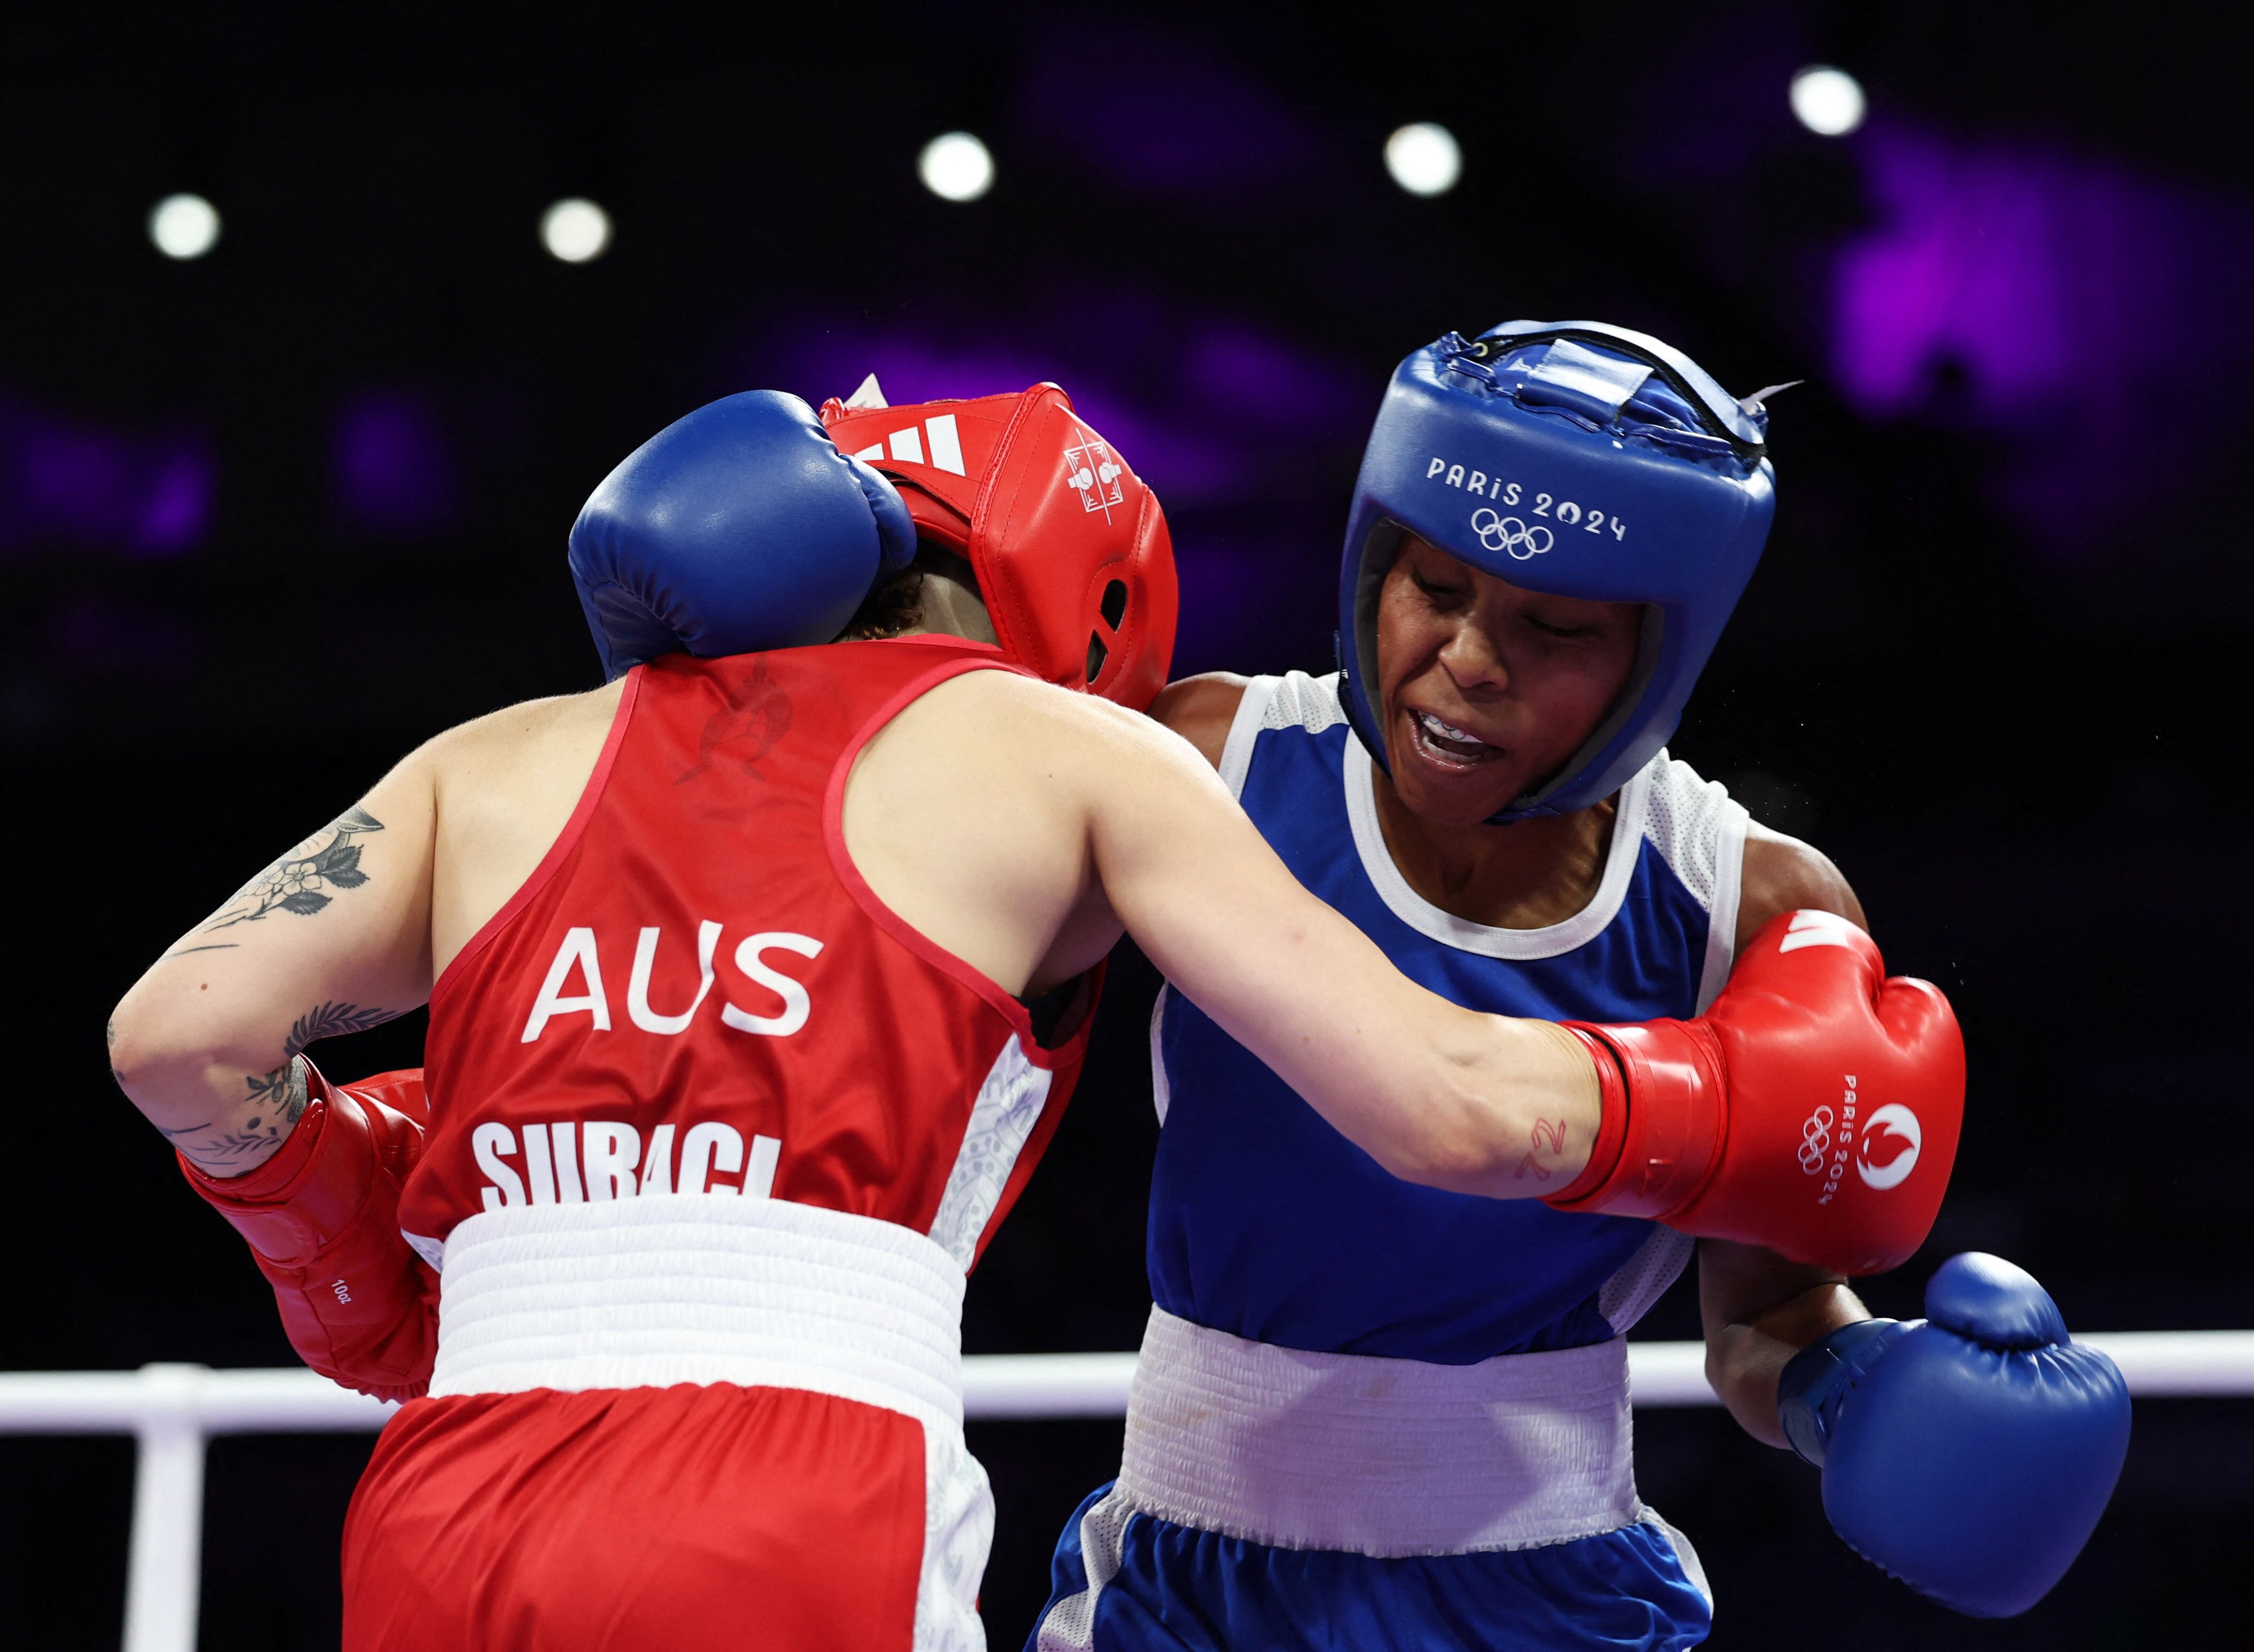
{"x": 1267, "y": 1224}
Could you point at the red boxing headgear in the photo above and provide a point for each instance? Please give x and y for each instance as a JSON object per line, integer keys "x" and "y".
{"x": 1070, "y": 548}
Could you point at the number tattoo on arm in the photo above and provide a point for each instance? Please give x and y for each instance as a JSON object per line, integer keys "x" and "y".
{"x": 1547, "y": 1138}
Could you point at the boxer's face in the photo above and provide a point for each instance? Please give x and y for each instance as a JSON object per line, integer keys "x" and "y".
{"x": 1488, "y": 688}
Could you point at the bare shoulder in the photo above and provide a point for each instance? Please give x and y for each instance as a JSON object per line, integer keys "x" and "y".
{"x": 1201, "y": 709}
{"x": 1047, "y": 746}
{"x": 1011, "y": 714}
{"x": 530, "y": 721}
{"x": 1783, "y": 874}
{"x": 526, "y": 732}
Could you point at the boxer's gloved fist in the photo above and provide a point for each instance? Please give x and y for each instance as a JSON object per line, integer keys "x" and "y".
{"x": 1969, "y": 1454}
{"x": 322, "y": 1220}
{"x": 738, "y": 528}
{"x": 402, "y": 1091}
{"x": 1813, "y": 1109}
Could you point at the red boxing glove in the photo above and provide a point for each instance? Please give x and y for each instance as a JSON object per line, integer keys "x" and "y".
{"x": 1814, "y": 1108}
{"x": 322, "y": 1220}
{"x": 401, "y": 1091}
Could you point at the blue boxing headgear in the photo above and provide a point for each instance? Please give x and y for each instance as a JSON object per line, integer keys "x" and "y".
{"x": 1578, "y": 460}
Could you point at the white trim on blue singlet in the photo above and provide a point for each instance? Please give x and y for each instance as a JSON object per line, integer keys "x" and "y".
{"x": 1244, "y": 733}
{"x": 1162, "y": 1092}
{"x": 1691, "y": 823}
{"x": 1722, "y": 916}
{"x": 1462, "y": 934}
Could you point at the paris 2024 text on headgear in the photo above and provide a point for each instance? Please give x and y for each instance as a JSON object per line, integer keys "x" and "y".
{"x": 1579, "y": 459}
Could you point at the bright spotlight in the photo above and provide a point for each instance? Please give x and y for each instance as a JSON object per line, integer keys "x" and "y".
{"x": 1828, "y": 102}
{"x": 184, "y": 225}
{"x": 1423, "y": 158}
{"x": 575, "y": 230}
{"x": 955, "y": 166}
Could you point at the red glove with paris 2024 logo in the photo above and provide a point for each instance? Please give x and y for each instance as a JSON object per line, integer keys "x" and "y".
{"x": 1814, "y": 1108}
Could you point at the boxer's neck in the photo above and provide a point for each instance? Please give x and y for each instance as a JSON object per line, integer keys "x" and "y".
{"x": 1527, "y": 875}
{"x": 946, "y": 608}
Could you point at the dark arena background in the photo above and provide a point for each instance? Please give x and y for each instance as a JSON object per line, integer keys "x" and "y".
{"x": 276, "y": 507}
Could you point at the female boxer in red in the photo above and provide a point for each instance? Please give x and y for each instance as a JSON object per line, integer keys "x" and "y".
{"x": 756, "y": 982}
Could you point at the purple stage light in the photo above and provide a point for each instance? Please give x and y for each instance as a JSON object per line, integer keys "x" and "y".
{"x": 1161, "y": 115}
{"x": 63, "y": 481}
{"x": 1274, "y": 383}
{"x": 2089, "y": 316}
{"x": 390, "y": 471}
{"x": 1972, "y": 268}
{"x": 177, "y": 506}
{"x": 103, "y": 635}
{"x": 1213, "y": 412}
{"x": 1249, "y": 437}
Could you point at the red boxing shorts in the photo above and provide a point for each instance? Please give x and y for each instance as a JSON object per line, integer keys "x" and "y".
{"x": 678, "y": 1423}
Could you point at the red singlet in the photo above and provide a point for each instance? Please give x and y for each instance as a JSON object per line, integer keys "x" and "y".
{"x": 714, "y": 1136}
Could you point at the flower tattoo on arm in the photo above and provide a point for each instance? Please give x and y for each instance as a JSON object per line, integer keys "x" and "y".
{"x": 301, "y": 881}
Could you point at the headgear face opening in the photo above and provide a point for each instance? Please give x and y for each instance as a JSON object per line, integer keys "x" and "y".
{"x": 1578, "y": 460}
{"x": 1069, "y": 547}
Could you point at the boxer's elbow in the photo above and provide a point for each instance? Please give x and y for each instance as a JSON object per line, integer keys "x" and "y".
{"x": 161, "y": 1058}
{"x": 1458, "y": 1128}
{"x": 1453, "y": 1162}
{"x": 139, "y": 1046}
{"x": 1742, "y": 1368}
{"x": 1416, "y": 1150}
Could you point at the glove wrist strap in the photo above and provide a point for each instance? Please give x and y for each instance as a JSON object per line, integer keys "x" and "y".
{"x": 310, "y": 1189}
{"x": 1612, "y": 1120}
{"x": 1674, "y": 1115}
{"x": 1817, "y": 1381}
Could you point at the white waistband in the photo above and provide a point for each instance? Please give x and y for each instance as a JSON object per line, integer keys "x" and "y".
{"x": 687, "y": 1288}
{"x": 1375, "y": 1456}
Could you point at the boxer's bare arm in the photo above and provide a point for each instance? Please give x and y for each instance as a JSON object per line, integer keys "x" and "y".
{"x": 331, "y": 937}
{"x": 1758, "y": 1308}
{"x": 1201, "y": 709}
{"x": 1783, "y": 874}
{"x": 1021, "y": 828}
{"x": 348, "y": 928}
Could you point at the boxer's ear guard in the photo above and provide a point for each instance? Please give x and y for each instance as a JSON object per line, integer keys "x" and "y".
{"x": 1069, "y": 547}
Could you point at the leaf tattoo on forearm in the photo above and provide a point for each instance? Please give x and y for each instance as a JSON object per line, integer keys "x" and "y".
{"x": 301, "y": 881}
{"x": 333, "y": 1020}
{"x": 277, "y": 1101}
{"x": 283, "y": 1090}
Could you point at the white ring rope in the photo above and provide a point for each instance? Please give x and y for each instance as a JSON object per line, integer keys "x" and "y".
{"x": 174, "y": 1409}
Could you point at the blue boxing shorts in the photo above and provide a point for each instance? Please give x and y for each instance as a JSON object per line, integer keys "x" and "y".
{"x": 1273, "y": 1498}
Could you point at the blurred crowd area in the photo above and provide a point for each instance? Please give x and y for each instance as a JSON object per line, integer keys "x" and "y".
{"x": 271, "y": 514}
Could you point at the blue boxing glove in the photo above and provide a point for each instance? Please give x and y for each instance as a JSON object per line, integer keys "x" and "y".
{"x": 738, "y": 528}
{"x": 1971, "y": 1453}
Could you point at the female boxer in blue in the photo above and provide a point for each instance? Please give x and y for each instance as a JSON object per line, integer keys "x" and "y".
{"x": 1368, "y": 1414}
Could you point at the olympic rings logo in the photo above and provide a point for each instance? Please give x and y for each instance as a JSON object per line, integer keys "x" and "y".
{"x": 1508, "y": 533}
{"x": 1815, "y": 1140}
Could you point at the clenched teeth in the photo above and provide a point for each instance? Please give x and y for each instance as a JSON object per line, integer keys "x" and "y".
{"x": 1447, "y": 730}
